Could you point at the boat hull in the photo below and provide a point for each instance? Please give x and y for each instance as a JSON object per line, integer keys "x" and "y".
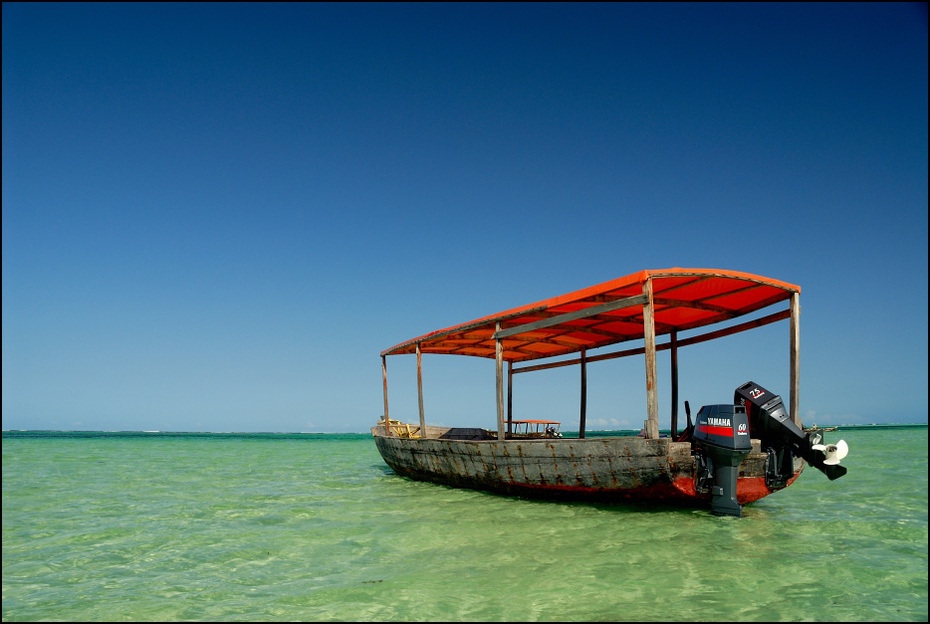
{"x": 609, "y": 469}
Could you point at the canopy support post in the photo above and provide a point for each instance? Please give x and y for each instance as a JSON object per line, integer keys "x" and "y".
{"x": 499, "y": 356}
{"x": 795, "y": 355}
{"x": 584, "y": 392}
{"x": 509, "y": 397}
{"x": 651, "y": 425}
{"x": 420, "y": 391}
{"x": 674, "y": 349}
{"x": 387, "y": 416}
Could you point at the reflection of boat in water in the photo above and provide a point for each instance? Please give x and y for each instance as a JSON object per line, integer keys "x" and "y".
{"x": 731, "y": 454}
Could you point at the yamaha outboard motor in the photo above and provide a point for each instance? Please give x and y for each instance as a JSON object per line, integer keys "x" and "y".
{"x": 783, "y": 440}
{"x": 721, "y": 442}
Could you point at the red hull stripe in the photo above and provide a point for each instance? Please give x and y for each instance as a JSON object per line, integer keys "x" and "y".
{"x": 748, "y": 490}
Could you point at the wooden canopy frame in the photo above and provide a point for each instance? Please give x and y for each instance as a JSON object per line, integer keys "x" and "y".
{"x": 640, "y": 306}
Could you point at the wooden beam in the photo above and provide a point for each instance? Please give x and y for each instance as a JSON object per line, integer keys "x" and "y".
{"x": 673, "y": 343}
{"x": 795, "y": 355}
{"x": 420, "y": 391}
{"x": 720, "y": 333}
{"x": 509, "y": 397}
{"x": 584, "y": 394}
{"x": 387, "y": 415}
{"x": 499, "y": 351}
{"x": 569, "y": 316}
{"x": 651, "y": 426}
{"x": 461, "y": 329}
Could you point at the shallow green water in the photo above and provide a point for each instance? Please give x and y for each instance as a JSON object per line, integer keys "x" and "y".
{"x": 316, "y": 527}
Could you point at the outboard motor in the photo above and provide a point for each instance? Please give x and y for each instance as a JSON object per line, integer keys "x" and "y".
{"x": 721, "y": 442}
{"x": 783, "y": 440}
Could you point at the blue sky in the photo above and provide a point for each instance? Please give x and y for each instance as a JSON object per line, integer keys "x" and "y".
{"x": 216, "y": 216}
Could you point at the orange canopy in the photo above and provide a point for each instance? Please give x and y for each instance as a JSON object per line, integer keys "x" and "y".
{"x": 607, "y": 313}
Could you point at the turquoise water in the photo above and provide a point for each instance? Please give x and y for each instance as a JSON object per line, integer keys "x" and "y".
{"x": 211, "y": 527}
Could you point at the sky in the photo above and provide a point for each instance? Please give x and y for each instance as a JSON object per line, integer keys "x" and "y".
{"x": 216, "y": 216}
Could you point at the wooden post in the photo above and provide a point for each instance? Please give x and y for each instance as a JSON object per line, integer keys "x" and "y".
{"x": 650, "y": 426}
{"x": 499, "y": 356}
{"x": 584, "y": 392}
{"x": 420, "y": 391}
{"x": 387, "y": 415}
{"x": 509, "y": 397}
{"x": 795, "y": 354}
{"x": 674, "y": 349}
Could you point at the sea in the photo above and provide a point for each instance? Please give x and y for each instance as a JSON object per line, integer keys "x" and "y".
{"x": 149, "y": 526}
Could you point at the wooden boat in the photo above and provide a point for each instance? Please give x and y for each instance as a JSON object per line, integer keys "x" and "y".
{"x": 730, "y": 455}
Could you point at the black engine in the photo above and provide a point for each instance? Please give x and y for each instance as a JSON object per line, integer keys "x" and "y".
{"x": 783, "y": 440}
{"x": 721, "y": 442}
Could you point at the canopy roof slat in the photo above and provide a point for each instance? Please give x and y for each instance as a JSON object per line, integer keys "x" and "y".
{"x": 607, "y": 313}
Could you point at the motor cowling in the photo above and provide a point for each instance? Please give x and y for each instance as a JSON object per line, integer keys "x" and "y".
{"x": 720, "y": 443}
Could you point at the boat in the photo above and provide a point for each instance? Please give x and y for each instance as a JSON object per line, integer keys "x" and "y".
{"x": 730, "y": 454}
{"x": 814, "y": 427}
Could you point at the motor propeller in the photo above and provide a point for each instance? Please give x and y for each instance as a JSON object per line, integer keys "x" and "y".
{"x": 833, "y": 453}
